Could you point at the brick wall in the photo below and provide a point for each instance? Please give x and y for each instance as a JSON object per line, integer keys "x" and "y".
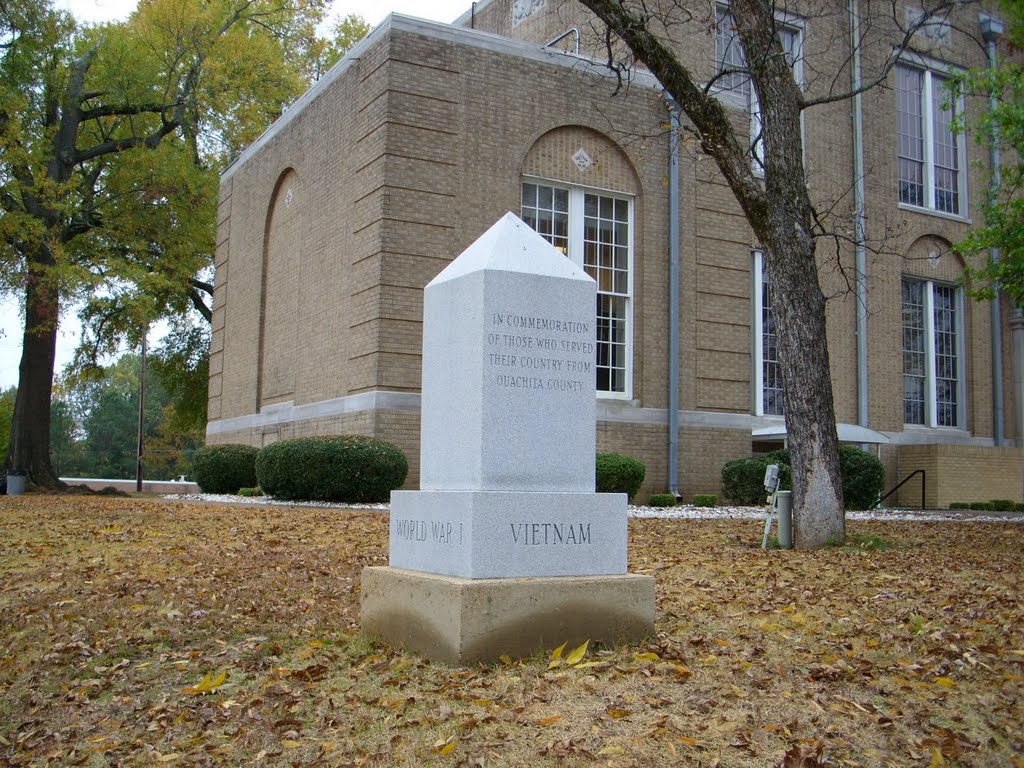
{"x": 961, "y": 473}
{"x": 400, "y": 162}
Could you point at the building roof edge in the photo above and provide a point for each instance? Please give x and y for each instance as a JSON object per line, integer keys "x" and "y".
{"x": 438, "y": 31}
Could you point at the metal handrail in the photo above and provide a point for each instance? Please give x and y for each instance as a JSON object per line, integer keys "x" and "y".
{"x": 920, "y": 472}
{"x": 574, "y": 31}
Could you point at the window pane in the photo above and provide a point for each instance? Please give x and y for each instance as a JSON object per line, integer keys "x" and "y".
{"x": 947, "y": 165}
{"x": 603, "y": 226}
{"x": 771, "y": 370}
{"x": 561, "y": 200}
{"x": 611, "y": 343}
{"x": 909, "y": 95}
{"x": 914, "y": 368}
{"x": 729, "y": 55}
{"x": 546, "y": 210}
{"x": 946, "y": 362}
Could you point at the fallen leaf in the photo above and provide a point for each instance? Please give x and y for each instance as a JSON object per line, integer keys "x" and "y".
{"x": 208, "y": 684}
{"x": 577, "y": 654}
{"x": 556, "y": 656}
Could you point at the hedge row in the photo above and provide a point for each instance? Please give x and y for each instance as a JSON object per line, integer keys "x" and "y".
{"x": 351, "y": 468}
{"x": 996, "y": 505}
{"x": 225, "y": 468}
{"x": 619, "y": 474}
{"x": 862, "y": 473}
{"x": 348, "y": 468}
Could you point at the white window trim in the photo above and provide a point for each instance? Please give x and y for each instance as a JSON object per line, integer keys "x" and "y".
{"x": 757, "y": 273}
{"x": 937, "y": 30}
{"x": 749, "y": 102}
{"x": 931, "y": 379}
{"x": 757, "y": 340}
{"x": 932, "y": 67}
{"x": 576, "y": 195}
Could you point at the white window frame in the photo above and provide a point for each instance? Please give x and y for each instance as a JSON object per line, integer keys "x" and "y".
{"x": 937, "y": 29}
{"x": 757, "y": 324}
{"x": 930, "y": 377}
{"x": 933, "y": 70}
{"x": 577, "y": 194}
{"x": 746, "y": 97}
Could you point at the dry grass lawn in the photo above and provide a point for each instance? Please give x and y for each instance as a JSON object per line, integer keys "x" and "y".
{"x": 142, "y": 632}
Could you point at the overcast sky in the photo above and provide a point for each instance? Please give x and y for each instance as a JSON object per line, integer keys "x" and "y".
{"x": 374, "y": 11}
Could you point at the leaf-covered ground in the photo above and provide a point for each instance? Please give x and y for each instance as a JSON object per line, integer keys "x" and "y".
{"x": 138, "y": 632}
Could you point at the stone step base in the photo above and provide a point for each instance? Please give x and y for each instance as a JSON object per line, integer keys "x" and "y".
{"x": 461, "y": 621}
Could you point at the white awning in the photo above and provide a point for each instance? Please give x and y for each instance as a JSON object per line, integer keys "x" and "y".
{"x": 848, "y": 433}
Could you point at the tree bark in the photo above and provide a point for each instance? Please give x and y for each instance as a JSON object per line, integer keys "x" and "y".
{"x": 29, "y": 448}
{"x": 783, "y": 222}
{"x": 781, "y": 215}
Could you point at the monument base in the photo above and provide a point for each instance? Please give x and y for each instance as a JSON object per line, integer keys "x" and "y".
{"x": 508, "y": 534}
{"x": 458, "y": 621}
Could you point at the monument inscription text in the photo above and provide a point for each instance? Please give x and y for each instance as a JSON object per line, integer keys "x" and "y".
{"x": 530, "y": 352}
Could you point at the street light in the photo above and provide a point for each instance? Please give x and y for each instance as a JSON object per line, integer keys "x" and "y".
{"x": 142, "y": 413}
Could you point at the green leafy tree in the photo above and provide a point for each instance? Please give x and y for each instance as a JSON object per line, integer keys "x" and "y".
{"x": 111, "y": 138}
{"x": 105, "y": 405}
{"x": 324, "y": 53}
{"x": 182, "y": 366}
{"x": 1001, "y": 125}
{"x": 7, "y": 398}
{"x": 65, "y": 446}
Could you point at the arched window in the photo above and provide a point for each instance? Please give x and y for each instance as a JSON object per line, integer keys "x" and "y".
{"x": 932, "y": 310}
{"x": 579, "y": 193}
{"x": 279, "y": 289}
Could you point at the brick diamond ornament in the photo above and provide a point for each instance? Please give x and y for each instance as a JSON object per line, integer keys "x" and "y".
{"x": 582, "y": 160}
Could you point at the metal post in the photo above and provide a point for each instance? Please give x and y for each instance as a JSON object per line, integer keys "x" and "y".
{"x": 991, "y": 29}
{"x": 673, "y": 299}
{"x": 142, "y": 413}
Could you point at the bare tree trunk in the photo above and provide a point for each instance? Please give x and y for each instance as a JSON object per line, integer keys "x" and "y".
{"x": 799, "y": 307}
{"x": 781, "y": 215}
{"x": 29, "y": 448}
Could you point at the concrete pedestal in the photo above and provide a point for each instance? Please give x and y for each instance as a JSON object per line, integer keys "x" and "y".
{"x": 458, "y": 621}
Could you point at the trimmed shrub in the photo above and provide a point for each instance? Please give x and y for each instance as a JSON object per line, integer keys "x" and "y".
{"x": 981, "y": 506}
{"x": 661, "y": 500}
{"x": 1018, "y": 507}
{"x": 705, "y": 500}
{"x": 863, "y": 477}
{"x": 960, "y": 505}
{"x": 619, "y": 474}
{"x": 250, "y": 492}
{"x": 743, "y": 479}
{"x": 224, "y": 468}
{"x": 1002, "y": 505}
{"x": 350, "y": 468}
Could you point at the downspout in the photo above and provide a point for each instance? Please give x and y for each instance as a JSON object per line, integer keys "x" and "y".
{"x": 1017, "y": 339}
{"x": 991, "y": 29}
{"x": 859, "y": 227}
{"x": 673, "y": 298}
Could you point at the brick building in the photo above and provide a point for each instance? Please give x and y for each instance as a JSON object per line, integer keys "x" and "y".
{"x": 425, "y": 134}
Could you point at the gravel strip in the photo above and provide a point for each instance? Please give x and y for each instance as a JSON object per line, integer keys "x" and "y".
{"x": 682, "y": 512}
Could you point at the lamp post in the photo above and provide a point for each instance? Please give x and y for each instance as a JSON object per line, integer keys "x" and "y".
{"x": 142, "y": 413}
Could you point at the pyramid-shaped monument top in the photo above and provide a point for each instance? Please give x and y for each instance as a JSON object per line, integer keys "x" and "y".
{"x": 511, "y": 245}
